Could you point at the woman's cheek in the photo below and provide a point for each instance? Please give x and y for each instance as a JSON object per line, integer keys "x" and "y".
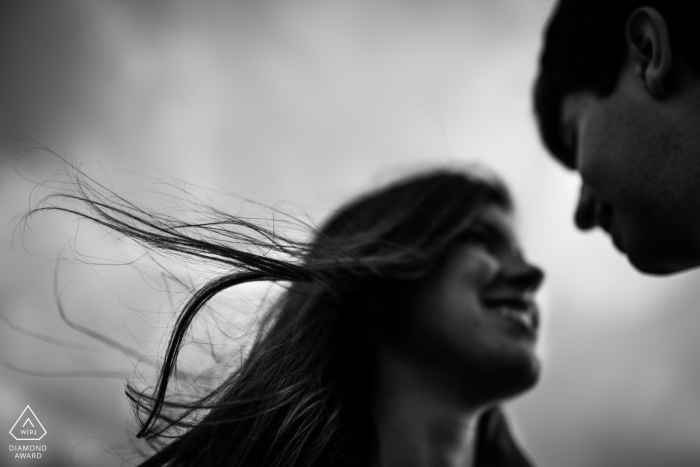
{"x": 480, "y": 267}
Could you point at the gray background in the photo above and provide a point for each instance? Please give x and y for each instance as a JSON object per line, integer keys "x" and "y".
{"x": 310, "y": 102}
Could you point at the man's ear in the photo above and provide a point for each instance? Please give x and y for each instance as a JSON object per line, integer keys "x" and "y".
{"x": 649, "y": 48}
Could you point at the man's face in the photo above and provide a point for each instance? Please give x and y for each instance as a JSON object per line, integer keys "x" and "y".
{"x": 640, "y": 174}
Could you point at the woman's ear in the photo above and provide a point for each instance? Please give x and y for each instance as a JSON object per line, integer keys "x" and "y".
{"x": 649, "y": 48}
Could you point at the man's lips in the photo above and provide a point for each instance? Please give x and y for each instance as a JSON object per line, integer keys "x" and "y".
{"x": 617, "y": 241}
{"x": 604, "y": 215}
{"x": 605, "y": 218}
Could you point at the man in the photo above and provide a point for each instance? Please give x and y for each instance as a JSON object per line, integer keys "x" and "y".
{"x": 618, "y": 99}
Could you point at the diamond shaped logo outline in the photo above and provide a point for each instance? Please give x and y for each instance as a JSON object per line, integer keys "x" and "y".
{"x": 30, "y": 421}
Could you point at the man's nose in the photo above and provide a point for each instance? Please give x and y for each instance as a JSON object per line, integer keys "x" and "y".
{"x": 585, "y": 216}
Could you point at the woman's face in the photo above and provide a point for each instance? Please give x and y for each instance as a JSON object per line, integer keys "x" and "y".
{"x": 473, "y": 322}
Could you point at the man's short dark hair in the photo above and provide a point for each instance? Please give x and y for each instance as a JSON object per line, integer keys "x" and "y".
{"x": 585, "y": 48}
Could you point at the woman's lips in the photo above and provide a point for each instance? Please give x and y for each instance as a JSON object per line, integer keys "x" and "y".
{"x": 516, "y": 309}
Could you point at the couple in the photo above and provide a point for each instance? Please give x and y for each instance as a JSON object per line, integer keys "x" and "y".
{"x": 409, "y": 317}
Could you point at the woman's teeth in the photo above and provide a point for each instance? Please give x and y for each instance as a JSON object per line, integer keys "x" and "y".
{"x": 523, "y": 316}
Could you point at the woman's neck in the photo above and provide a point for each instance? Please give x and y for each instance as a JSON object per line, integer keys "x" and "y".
{"x": 418, "y": 423}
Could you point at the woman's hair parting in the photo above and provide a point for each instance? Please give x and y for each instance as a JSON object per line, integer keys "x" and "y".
{"x": 300, "y": 397}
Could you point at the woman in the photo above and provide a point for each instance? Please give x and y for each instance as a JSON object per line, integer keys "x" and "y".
{"x": 405, "y": 323}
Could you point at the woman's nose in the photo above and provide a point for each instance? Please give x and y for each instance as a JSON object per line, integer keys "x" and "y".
{"x": 524, "y": 275}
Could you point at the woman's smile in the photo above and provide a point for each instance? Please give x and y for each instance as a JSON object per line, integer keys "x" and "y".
{"x": 519, "y": 310}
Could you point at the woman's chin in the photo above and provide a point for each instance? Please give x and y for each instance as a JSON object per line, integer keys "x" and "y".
{"x": 521, "y": 378}
{"x": 501, "y": 379}
{"x": 518, "y": 374}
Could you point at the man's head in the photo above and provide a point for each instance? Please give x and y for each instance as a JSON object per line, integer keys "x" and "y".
{"x": 618, "y": 99}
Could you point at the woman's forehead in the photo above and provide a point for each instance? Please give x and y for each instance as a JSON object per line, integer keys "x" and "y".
{"x": 497, "y": 215}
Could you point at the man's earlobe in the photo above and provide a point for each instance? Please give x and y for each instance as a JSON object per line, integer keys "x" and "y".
{"x": 649, "y": 47}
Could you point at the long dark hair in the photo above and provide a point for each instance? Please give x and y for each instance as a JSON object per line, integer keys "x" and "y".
{"x": 301, "y": 396}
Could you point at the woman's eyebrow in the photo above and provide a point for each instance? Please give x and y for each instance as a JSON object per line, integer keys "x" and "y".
{"x": 494, "y": 230}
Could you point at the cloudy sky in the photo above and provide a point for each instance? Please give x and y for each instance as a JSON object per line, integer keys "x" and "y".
{"x": 308, "y": 103}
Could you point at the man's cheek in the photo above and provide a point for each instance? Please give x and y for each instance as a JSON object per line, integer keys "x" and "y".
{"x": 600, "y": 170}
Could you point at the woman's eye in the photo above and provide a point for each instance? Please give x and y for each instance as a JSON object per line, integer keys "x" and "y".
{"x": 477, "y": 238}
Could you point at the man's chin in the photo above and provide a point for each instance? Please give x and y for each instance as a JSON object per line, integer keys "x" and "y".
{"x": 656, "y": 265}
